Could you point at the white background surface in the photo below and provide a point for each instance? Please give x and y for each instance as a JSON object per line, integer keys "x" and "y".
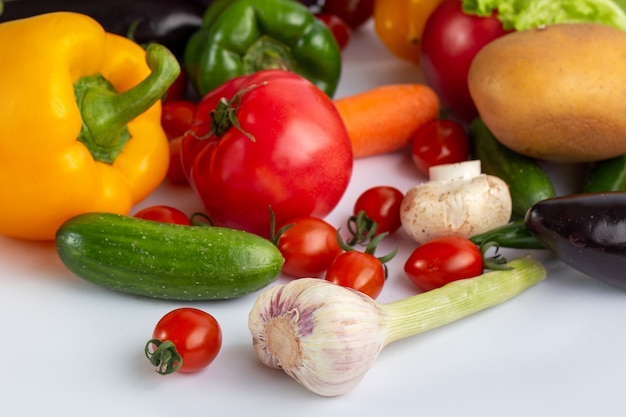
{"x": 71, "y": 348}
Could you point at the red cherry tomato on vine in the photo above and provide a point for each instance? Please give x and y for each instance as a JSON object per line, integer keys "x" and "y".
{"x": 439, "y": 142}
{"x": 353, "y": 12}
{"x": 450, "y": 41}
{"x": 358, "y": 270}
{"x": 381, "y": 204}
{"x": 309, "y": 246}
{"x": 195, "y": 334}
{"x": 339, "y": 28}
{"x": 164, "y": 214}
{"x": 177, "y": 116}
{"x": 442, "y": 260}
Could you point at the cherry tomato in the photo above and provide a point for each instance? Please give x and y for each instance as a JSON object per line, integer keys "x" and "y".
{"x": 309, "y": 246}
{"x": 177, "y": 116}
{"x": 442, "y": 260}
{"x": 381, "y": 204}
{"x": 290, "y": 152}
{"x": 339, "y": 28}
{"x": 449, "y": 43}
{"x": 353, "y": 12}
{"x": 178, "y": 88}
{"x": 358, "y": 270}
{"x": 195, "y": 334}
{"x": 175, "y": 172}
{"x": 164, "y": 214}
{"x": 439, "y": 142}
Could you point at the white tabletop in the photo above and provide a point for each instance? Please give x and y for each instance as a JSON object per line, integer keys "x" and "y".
{"x": 72, "y": 348}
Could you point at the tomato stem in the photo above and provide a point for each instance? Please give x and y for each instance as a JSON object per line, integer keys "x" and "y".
{"x": 224, "y": 116}
{"x": 165, "y": 357}
{"x": 495, "y": 262}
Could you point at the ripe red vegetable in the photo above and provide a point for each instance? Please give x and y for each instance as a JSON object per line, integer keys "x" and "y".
{"x": 382, "y": 205}
{"x": 279, "y": 143}
{"x": 442, "y": 260}
{"x": 354, "y": 12}
{"x": 360, "y": 271}
{"x": 309, "y": 246}
{"x": 450, "y": 41}
{"x": 439, "y": 142}
{"x": 164, "y": 214}
{"x": 184, "y": 340}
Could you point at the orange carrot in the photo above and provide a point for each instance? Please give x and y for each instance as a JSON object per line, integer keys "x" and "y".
{"x": 386, "y": 118}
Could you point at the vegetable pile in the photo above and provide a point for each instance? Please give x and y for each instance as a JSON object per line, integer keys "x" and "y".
{"x": 235, "y": 102}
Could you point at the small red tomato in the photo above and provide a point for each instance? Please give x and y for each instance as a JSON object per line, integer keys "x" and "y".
{"x": 353, "y": 12}
{"x": 309, "y": 246}
{"x": 175, "y": 171}
{"x": 177, "y": 116}
{"x": 339, "y": 28}
{"x": 195, "y": 335}
{"x": 358, "y": 270}
{"x": 443, "y": 260}
{"x": 381, "y": 204}
{"x": 439, "y": 142}
{"x": 164, "y": 214}
{"x": 178, "y": 88}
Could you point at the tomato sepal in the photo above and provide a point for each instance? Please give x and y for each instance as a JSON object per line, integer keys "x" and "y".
{"x": 165, "y": 357}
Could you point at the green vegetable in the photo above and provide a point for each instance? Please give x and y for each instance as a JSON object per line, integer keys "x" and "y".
{"x": 607, "y": 175}
{"x": 525, "y": 14}
{"x": 240, "y": 37}
{"x": 528, "y": 182}
{"x": 512, "y": 235}
{"x": 166, "y": 261}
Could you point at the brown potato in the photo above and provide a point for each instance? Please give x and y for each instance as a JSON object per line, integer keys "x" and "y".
{"x": 556, "y": 93}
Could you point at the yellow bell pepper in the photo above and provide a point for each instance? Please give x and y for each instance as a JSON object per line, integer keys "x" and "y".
{"x": 80, "y": 121}
{"x": 400, "y": 23}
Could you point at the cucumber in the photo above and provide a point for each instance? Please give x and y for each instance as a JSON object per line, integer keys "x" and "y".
{"x": 528, "y": 182}
{"x": 605, "y": 176}
{"x": 166, "y": 261}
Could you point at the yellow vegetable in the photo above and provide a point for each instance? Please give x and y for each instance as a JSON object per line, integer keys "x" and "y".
{"x": 80, "y": 126}
{"x": 399, "y": 25}
{"x": 555, "y": 92}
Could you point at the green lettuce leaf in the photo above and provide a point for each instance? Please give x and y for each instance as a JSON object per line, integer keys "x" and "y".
{"x": 525, "y": 14}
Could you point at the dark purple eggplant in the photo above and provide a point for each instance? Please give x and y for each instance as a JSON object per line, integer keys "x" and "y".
{"x": 167, "y": 22}
{"x": 586, "y": 231}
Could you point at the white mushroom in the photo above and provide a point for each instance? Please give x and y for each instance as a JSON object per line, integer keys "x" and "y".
{"x": 458, "y": 200}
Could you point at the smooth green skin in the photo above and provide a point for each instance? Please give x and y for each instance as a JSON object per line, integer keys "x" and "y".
{"x": 241, "y": 37}
{"x": 528, "y": 182}
{"x": 166, "y": 261}
{"x": 106, "y": 112}
{"x": 512, "y": 235}
{"x": 607, "y": 175}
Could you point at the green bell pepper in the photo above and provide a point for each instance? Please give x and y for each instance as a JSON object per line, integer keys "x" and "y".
{"x": 241, "y": 37}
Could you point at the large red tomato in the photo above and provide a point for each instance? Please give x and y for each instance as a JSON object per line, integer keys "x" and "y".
{"x": 450, "y": 41}
{"x": 278, "y": 142}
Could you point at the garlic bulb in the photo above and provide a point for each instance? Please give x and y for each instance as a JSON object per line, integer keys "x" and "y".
{"x": 322, "y": 335}
{"x": 458, "y": 200}
{"x": 327, "y": 337}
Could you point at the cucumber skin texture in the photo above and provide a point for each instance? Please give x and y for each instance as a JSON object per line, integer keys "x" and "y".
{"x": 166, "y": 261}
{"x": 528, "y": 182}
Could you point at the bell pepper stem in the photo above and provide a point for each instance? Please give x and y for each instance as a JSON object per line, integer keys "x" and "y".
{"x": 106, "y": 112}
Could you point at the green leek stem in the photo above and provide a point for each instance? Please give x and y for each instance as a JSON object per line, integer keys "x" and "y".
{"x": 458, "y": 299}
